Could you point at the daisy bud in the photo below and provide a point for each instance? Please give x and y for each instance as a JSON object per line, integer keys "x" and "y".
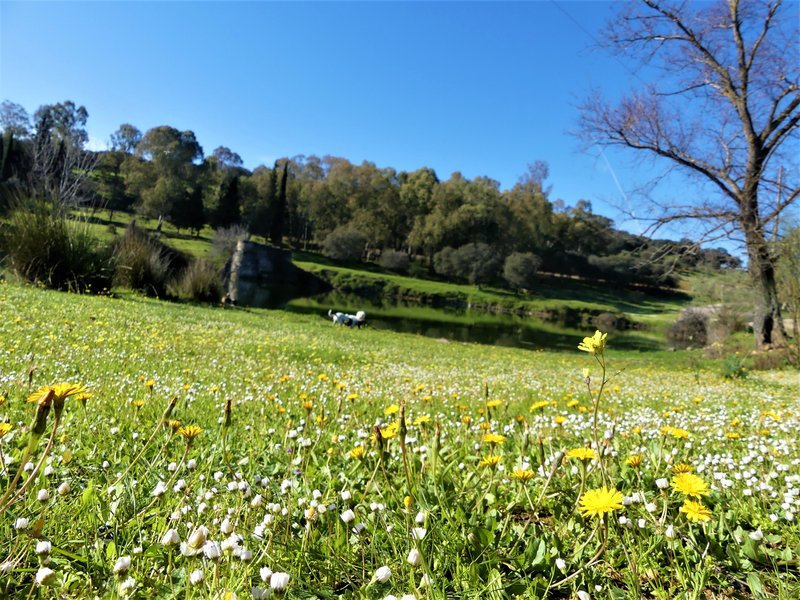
{"x": 348, "y": 516}
{"x": 265, "y": 573}
{"x": 171, "y": 538}
{"x": 191, "y": 464}
{"x": 383, "y": 574}
{"x": 45, "y": 576}
{"x": 583, "y": 595}
{"x": 126, "y": 587}
{"x": 561, "y": 564}
{"x": 642, "y": 523}
{"x": 418, "y": 533}
{"x": 420, "y": 518}
{"x": 196, "y": 577}
{"x": 21, "y": 523}
{"x": 414, "y": 557}
{"x": 212, "y": 550}
{"x": 227, "y": 526}
{"x": 260, "y": 593}
{"x": 408, "y": 597}
{"x": 43, "y": 548}
{"x": 670, "y": 532}
{"x": 257, "y": 501}
{"x": 198, "y": 537}
{"x": 756, "y": 535}
{"x": 63, "y": 489}
{"x": 650, "y": 507}
{"x": 43, "y": 496}
{"x": 48, "y": 470}
{"x": 662, "y": 483}
{"x": 346, "y": 495}
{"x": 122, "y": 565}
{"x": 279, "y": 582}
{"x": 246, "y": 555}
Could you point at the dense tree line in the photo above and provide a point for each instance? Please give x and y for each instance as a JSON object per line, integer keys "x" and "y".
{"x": 464, "y": 229}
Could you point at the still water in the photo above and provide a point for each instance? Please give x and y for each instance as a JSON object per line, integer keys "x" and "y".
{"x": 470, "y": 326}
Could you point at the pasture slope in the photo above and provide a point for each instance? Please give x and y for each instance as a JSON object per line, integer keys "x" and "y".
{"x": 173, "y": 450}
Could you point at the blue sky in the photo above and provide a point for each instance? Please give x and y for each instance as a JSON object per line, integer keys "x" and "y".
{"x": 481, "y": 88}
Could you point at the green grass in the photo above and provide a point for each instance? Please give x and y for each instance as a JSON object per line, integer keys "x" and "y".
{"x": 304, "y": 394}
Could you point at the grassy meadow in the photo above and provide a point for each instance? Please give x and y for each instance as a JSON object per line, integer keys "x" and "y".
{"x": 250, "y": 453}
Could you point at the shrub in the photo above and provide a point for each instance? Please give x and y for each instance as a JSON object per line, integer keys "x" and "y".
{"x": 394, "y": 260}
{"x": 733, "y": 367}
{"x": 43, "y": 246}
{"x": 477, "y": 263}
{"x": 200, "y": 281}
{"x": 344, "y": 243}
{"x": 144, "y": 264}
{"x": 690, "y": 330}
{"x": 520, "y": 269}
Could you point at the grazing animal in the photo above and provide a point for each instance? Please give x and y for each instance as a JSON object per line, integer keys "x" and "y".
{"x": 357, "y": 320}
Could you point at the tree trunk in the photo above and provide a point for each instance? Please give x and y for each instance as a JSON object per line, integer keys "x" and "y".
{"x": 767, "y": 320}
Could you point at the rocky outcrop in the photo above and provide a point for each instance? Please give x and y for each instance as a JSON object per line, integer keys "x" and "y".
{"x": 259, "y": 275}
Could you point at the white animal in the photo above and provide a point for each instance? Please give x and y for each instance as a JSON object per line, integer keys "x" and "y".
{"x": 357, "y": 320}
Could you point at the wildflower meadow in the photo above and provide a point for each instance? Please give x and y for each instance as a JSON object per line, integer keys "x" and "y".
{"x": 153, "y": 450}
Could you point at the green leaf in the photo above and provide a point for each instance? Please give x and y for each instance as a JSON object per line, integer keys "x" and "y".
{"x": 111, "y": 551}
{"x": 540, "y": 552}
{"x": 755, "y": 585}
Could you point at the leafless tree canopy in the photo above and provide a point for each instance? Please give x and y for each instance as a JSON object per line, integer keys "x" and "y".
{"x": 724, "y": 110}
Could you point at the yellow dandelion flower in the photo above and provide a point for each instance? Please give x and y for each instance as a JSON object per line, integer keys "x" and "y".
{"x": 490, "y": 461}
{"x": 61, "y": 391}
{"x": 485, "y": 426}
{"x": 138, "y": 403}
{"x": 572, "y": 403}
{"x": 733, "y": 435}
{"x": 422, "y": 420}
{"x": 560, "y": 420}
{"x": 2, "y": 399}
{"x": 149, "y": 384}
{"x": 190, "y": 432}
{"x": 323, "y": 377}
{"x": 308, "y": 405}
{"x": 174, "y": 424}
{"x": 582, "y": 453}
{"x": 351, "y": 396}
{"x": 357, "y": 452}
{"x": 695, "y": 511}
{"x": 680, "y": 434}
{"x": 390, "y": 430}
{"x": 408, "y": 501}
{"x": 689, "y": 484}
{"x": 493, "y": 438}
{"x": 522, "y": 474}
{"x": 595, "y": 344}
{"x": 635, "y": 461}
{"x": 466, "y": 419}
{"x": 391, "y": 410}
{"x": 4, "y": 429}
{"x": 598, "y": 502}
{"x": 541, "y": 405}
{"x": 493, "y": 403}
{"x": 682, "y": 468}
{"x": 636, "y": 429}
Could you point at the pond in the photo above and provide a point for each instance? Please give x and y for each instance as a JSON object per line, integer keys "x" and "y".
{"x": 472, "y": 326}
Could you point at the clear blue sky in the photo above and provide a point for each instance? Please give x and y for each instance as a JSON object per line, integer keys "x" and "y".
{"x": 481, "y": 88}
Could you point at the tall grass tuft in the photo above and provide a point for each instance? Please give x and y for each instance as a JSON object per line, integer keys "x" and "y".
{"x": 42, "y": 245}
{"x": 200, "y": 281}
{"x": 144, "y": 264}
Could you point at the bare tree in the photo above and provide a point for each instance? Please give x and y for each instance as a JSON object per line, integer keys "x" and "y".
{"x": 60, "y": 165}
{"x": 724, "y": 110}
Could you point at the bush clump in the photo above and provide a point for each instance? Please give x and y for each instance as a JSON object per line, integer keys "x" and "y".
{"x": 520, "y": 269}
{"x": 477, "y": 263}
{"x": 43, "y": 246}
{"x": 344, "y": 243}
{"x": 394, "y": 260}
{"x": 689, "y": 331}
{"x": 144, "y": 264}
